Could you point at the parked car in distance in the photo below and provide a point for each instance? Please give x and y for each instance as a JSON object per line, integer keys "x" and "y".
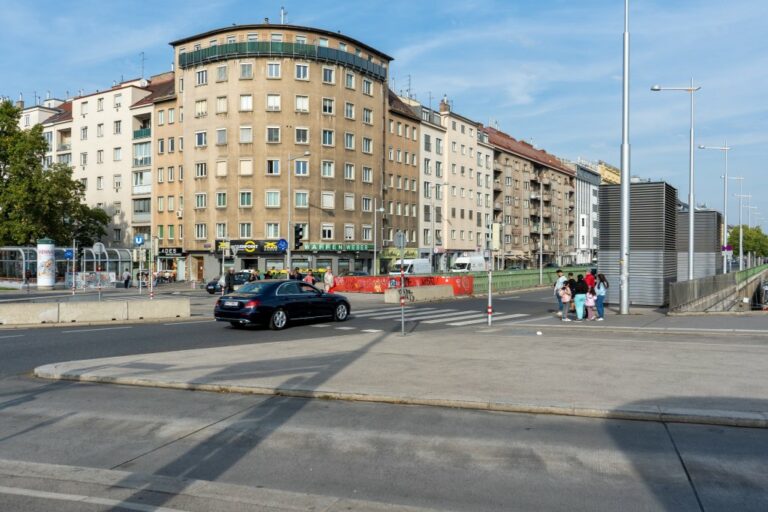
{"x": 215, "y": 285}
{"x": 411, "y": 266}
{"x": 474, "y": 263}
{"x": 276, "y": 303}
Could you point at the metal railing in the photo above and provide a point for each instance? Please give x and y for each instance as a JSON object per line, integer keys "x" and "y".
{"x": 518, "y": 279}
{"x": 685, "y": 292}
{"x": 142, "y": 133}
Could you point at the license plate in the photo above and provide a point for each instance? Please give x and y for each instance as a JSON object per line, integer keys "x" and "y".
{"x": 230, "y": 303}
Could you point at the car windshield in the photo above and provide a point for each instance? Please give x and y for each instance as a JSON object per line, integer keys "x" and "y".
{"x": 460, "y": 266}
{"x": 253, "y": 287}
{"x": 396, "y": 267}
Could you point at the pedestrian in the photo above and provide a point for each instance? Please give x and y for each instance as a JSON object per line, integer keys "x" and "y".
{"x": 590, "y": 277}
{"x": 572, "y": 286}
{"x": 580, "y": 296}
{"x": 590, "y": 303}
{"x": 600, "y": 289}
{"x": 329, "y": 281}
{"x": 309, "y": 278}
{"x": 296, "y": 274}
{"x": 127, "y": 279}
{"x": 229, "y": 281}
{"x": 252, "y": 276}
{"x": 561, "y": 280}
{"x": 565, "y": 296}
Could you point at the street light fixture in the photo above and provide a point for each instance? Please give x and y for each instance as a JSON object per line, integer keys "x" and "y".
{"x": 376, "y": 212}
{"x": 290, "y": 207}
{"x": 625, "y": 172}
{"x": 725, "y": 149}
{"x": 691, "y": 204}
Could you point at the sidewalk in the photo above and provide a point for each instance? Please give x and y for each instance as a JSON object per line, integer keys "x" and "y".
{"x": 702, "y": 378}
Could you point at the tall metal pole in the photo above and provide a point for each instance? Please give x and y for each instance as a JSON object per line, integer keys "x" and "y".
{"x": 725, "y": 208}
{"x": 691, "y": 201}
{"x": 541, "y": 235}
{"x": 375, "y": 269}
{"x": 625, "y": 175}
{"x": 290, "y": 227}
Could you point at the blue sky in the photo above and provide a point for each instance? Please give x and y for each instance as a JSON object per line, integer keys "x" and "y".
{"x": 548, "y": 71}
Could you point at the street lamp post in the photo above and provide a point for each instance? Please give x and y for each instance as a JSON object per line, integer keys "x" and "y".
{"x": 724, "y": 148}
{"x": 290, "y": 209}
{"x": 691, "y": 204}
{"x": 376, "y": 212}
{"x": 625, "y": 174}
{"x": 749, "y": 225}
{"x": 741, "y": 231}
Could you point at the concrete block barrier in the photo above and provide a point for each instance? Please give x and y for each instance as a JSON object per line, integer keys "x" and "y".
{"x": 20, "y": 314}
{"x": 92, "y": 311}
{"x": 419, "y": 294}
{"x": 148, "y": 309}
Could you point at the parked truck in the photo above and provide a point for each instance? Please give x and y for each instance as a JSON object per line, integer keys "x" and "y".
{"x": 411, "y": 266}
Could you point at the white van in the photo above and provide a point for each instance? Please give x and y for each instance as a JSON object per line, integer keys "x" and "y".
{"x": 411, "y": 266}
{"x": 474, "y": 263}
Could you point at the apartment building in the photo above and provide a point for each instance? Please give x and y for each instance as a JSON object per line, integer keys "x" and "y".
{"x": 469, "y": 181}
{"x": 534, "y": 201}
{"x": 587, "y": 215}
{"x": 400, "y": 191}
{"x": 609, "y": 174}
{"x": 283, "y": 136}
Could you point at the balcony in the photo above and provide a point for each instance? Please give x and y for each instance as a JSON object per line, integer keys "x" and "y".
{"x": 546, "y": 181}
{"x": 534, "y": 196}
{"x": 141, "y": 218}
{"x": 546, "y": 212}
{"x": 142, "y": 133}
{"x": 496, "y": 186}
{"x": 142, "y": 190}
{"x": 498, "y": 206}
{"x": 64, "y": 146}
{"x": 546, "y": 197}
{"x": 144, "y": 161}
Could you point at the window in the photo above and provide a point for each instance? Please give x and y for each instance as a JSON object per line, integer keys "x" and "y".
{"x": 273, "y": 70}
{"x": 349, "y": 201}
{"x": 349, "y": 231}
{"x": 117, "y": 127}
{"x": 327, "y": 137}
{"x": 301, "y": 167}
{"x": 100, "y": 104}
{"x": 301, "y": 199}
{"x": 300, "y": 39}
{"x": 201, "y": 139}
{"x": 367, "y": 87}
{"x": 160, "y": 146}
{"x": 117, "y": 181}
{"x": 273, "y": 102}
{"x": 366, "y": 204}
{"x": 349, "y": 141}
{"x": 171, "y": 115}
{"x": 328, "y": 106}
{"x": 245, "y": 230}
{"x": 272, "y": 199}
{"x": 246, "y": 135}
{"x": 349, "y": 110}
{"x": 246, "y": 167}
{"x": 201, "y": 170}
{"x": 221, "y": 136}
{"x": 221, "y": 105}
{"x": 273, "y": 134}
{"x": 100, "y": 156}
{"x": 201, "y": 200}
{"x": 366, "y": 233}
{"x": 302, "y": 103}
{"x": 99, "y": 132}
{"x": 252, "y": 37}
{"x": 118, "y": 100}
{"x": 83, "y": 159}
{"x": 273, "y": 167}
{"x": 160, "y": 204}
{"x": 221, "y": 199}
{"x": 84, "y": 132}
{"x": 367, "y": 145}
{"x": 246, "y": 70}
{"x": 327, "y": 169}
{"x": 246, "y": 103}
{"x": 329, "y": 76}
{"x": 302, "y": 135}
{"x": 221, "y": 230}
{"x": 273, "y": 230}
{"x": 367, "y": 175}
{"x": 201, "y": 108}
{"x": 246, "y": 199}
{"x": 117, "y": 154}
{"x": 201, "y": 77}
{"x": 302, "y": 72}
{"x": 322, "y": 41}
{"x": 171, "y": 176}
{"x": 349, "y": 80}
{"x": 171, "y": 203}
{"x": 327, "y": 200}
{"x": 367, "y": 116}
{"x": 171, "y": 144}
{"x": 160, "y": 175}
{"x": 221, "y": 73}
{"x": 326, "y": 231}
{"x": 349, "y": 171}
{"x": 100, "y": 183}
{"x": 84, "y": 108}
{"x": 221, "y": 168}
{"x": 201, "y": 231}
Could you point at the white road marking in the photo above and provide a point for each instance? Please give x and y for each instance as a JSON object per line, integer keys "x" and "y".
{"x": 381, "y": 309}
{"x": 387, "y": 311}
{"x": 412, "y": 314}
{"x": 481, "y": 320}
{"x": 370, "y": 330}
{"x": 345, "y": 328}
{"x": 460, "y": 316}
{"x": 85, "y": 499}
{"x": 320, "y": 325}
{"x": 99, "y": 329}
{"x": 12, "y": 336}
{"x": 508, "y": 298}
{"x": 427, "y": 316}
{"x": 195, "y": 322}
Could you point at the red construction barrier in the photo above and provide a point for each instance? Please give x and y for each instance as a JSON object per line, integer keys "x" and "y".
{"x": 462, "y": 285}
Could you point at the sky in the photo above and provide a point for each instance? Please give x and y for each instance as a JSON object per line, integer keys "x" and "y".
{"x": 547, "y": 71}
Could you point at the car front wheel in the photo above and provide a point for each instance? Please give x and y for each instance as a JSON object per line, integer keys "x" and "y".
{"x": 341, "y": 312}
{"x": 278, "y": 320}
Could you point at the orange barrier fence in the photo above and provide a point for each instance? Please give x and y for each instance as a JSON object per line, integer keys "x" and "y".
{"x": 462, "y": 285}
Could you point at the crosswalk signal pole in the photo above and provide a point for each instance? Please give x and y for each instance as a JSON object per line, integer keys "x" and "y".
{"x": 490, "y": 300}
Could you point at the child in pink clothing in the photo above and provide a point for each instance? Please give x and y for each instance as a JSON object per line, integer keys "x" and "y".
{"x": 590, "y": 303}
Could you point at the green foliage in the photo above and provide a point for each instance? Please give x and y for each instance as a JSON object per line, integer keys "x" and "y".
{"x": 754, "y": 240}
{"x": 37, "y": 202}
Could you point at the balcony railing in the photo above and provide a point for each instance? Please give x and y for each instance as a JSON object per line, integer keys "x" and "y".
{"x": 142, "y": 189}
{"x": 497, "y": 206}
{"x": 497, "y": 186}
{"x": 142, "y": 133}
{"x": 142, "y": 218}
{"x": 64, "y": 147}
{"x": 144, "y": 161}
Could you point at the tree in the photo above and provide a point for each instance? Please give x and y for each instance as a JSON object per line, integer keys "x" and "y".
{"x": 36, "y": 202}
{"x": 754, "y": 240}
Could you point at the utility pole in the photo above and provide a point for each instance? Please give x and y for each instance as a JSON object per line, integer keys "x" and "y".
{"x": 625, "y": 174}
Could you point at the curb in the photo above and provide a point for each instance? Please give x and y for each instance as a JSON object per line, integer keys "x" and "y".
{"x": 640, "y": 329}
{"x": 178, "y": 319}
{"x": 696, "y": 416}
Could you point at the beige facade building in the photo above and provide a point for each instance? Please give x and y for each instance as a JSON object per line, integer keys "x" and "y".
{"x": 283, "y": 130}
{"x": 609, "y": 174}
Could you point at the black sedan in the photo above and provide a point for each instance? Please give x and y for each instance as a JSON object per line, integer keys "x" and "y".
{"x": 215, "y": 285}
{"x": 275, "y": 303}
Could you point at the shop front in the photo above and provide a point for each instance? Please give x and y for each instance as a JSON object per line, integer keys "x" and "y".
{"x": 256, "y": 255}
{"x": 343, "y": 259}
{"x": 389, "y": 256}
{"x": 172, "y": 264}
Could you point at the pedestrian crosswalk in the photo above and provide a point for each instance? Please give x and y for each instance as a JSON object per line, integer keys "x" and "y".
{"x": 434, "y": 315}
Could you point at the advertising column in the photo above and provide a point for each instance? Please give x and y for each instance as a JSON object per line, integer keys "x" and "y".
{"x": 46, "y": 264}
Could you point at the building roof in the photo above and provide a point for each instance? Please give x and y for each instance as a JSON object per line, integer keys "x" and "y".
{"x": 278, "y": 26}
{"x": 160, "y": 87}
{"x": 65, "y": 114}
{"x": 525, "y": 150}
{"x": 398, "y": 106}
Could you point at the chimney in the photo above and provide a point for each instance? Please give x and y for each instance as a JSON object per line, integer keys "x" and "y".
{"x": 444, "y": 106}
{"x": 20, "y": 103}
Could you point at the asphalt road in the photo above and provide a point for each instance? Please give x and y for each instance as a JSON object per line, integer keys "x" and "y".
{"x": 149, "y": 448}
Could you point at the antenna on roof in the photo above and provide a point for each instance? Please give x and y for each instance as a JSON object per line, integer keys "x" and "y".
{"x": 142, "y": 64}
{"x": 283, "y": 14}
{"x": 408, "y": 89}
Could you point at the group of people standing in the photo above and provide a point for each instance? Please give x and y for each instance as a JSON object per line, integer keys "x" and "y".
{"x": 584, "y": 295}
{"x": 328, "y": 279}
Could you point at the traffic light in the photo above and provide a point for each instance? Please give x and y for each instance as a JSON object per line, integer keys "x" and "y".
{"x": 298, "y": 234}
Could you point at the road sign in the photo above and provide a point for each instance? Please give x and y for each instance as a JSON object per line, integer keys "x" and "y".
{"x": 399, "y": 239}
{"x": 138, "y": 239}
{"x": 68, "y": 254}
{"x": 282, "y": 244}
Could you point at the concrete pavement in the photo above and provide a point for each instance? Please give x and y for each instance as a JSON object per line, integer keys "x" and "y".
{"x": 603, "y": 370}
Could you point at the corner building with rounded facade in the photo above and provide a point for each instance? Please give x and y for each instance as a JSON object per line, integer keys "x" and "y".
{"x": 279, "y": 117}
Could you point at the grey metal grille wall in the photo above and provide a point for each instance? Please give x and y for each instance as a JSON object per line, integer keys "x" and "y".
{"x": 707, "y": 239}
{"x": 652, "y": 244}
